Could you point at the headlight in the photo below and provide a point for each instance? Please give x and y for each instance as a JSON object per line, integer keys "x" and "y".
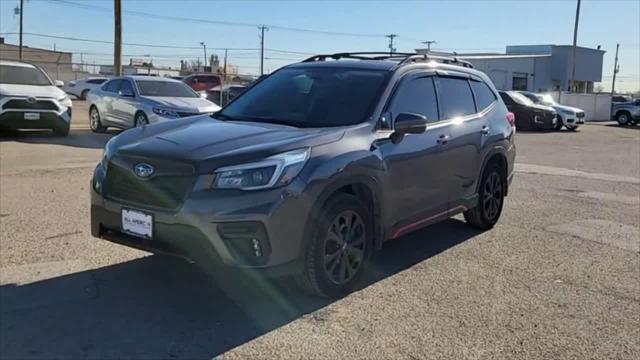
{"x": 108, "y": 151}
{"x": 166, "y": 112}
{"x": 277, "y": 170}
{"x": 65, "y": 100}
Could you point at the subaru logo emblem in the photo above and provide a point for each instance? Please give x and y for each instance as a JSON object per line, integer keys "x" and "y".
{"x": 31, "y": 100}
{"x": 143, "y": 170}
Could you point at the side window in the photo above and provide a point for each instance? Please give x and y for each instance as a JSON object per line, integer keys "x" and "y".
{"x": 455, "y": 97}
{"x": 484, "y": 95}
{"x": 112, "y": 86}
{"x": 417, "y": 95}
{"x": 96, "y": 81}
{"x": 126, "y": 85}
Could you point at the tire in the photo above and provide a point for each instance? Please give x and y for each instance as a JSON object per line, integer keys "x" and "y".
{"x": 83, "y": 94}
{"x": 341, "y": 240}
{"x": 490, "y": 200}
{"x": 572, "y": 128}
{"x": 559, "y": 125}
{"x": 140, "y": 119}
{"x": 62, "y": 130}
{"x": 94, "y": 121}
{"x": 623, "y": 118}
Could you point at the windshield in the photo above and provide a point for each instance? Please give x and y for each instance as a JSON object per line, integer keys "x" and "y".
{"x": 310, "y": 97}
{"x": 520, "y": 99}
{"x": 23, "y": 75}
{"x": 165, "y": 88}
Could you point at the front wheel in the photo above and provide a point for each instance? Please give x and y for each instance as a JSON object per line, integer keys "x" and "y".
{"x": 558, "y": 126}
{"x": 338, "y": 252}
{"x": 623, "y": 118}
{"x": 490, "y": 200}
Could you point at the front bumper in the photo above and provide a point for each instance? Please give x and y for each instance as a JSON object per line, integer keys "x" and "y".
{"x": 197, "y": 229}
{"x": 57, "y": 116}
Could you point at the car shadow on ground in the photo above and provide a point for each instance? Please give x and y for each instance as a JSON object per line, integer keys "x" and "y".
{"x": 156, "y": 307}
{"x": 83, "y": 138}
{"x": 632, "y": 127}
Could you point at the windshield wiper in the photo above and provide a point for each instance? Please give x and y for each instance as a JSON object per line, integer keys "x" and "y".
{"x": 270, "y": 120}
{"x": 222, "y": 116}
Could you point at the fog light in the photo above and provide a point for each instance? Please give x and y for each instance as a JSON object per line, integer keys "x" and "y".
{"x": 257, "y": 251}
{"x": 247, "y": 241}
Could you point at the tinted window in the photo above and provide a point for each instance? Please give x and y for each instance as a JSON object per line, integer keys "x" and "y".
{"x": 164, "y": 88}
{"x": 126, "y": 85}
{"x": 96, "y": 81}
{"x": 455, "y": 97}
{"x": 484, "y": 95}
{"x": 112, "y": 86}
{"x": 417, "y": 96}
{"x": 23, "y": 75}
{"x": 310, "y": 97}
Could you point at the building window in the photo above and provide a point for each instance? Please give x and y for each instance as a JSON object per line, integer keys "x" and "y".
{"x": 519, "y": 81}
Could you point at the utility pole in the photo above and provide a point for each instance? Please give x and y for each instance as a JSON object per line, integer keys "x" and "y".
{"x": 205, "y": 54}
{"x": 428, "y": 43}
{"x": 21, "y": 11}
{"x": 391, "y": 37}
{"x": 117, "y": 44}
{"x": 262, "y": 29}
{"x": 224, "y": 76}
{"x": 573, "y": 56}
{"x": 616, "y": 68}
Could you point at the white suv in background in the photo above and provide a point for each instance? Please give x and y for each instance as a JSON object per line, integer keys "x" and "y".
{"x": 568, "y": 116}
{"x": 29, "y": 99}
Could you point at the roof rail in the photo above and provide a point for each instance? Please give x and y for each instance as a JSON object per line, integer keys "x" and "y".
{"x": 403, "y": 58}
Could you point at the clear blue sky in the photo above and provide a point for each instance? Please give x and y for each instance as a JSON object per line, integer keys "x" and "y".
{"x": 463, "y": 26}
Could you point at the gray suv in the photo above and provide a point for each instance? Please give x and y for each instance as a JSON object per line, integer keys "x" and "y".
{"x": 313, "y": 167}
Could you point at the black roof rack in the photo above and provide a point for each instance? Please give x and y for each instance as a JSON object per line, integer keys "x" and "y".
{"x": 403, "y": 58}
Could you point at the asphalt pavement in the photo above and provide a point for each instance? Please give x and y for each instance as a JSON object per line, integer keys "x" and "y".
{"x": 558, "y": 277}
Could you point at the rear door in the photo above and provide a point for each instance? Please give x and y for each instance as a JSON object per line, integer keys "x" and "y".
{"x": 470, "y": 139}
{"x": 416, "y": 167}
{"x": 109, "y": 95}
{"x": 125, "y": 106}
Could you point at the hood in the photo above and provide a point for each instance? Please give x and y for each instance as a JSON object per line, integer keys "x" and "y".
{"x": 184, "y": 104}
{"x": 542, "y": 107}
{"x": 49, "y": 91}
{"x": 209, "y": 143}
{"x": 567, "y": 108}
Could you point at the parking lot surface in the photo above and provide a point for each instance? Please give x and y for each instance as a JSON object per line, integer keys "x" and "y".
{"x": 558, "y": 277}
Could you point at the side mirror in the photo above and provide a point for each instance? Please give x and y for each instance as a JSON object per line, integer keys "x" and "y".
{"x": 408, "y": 123}
{"x": 58, "y": 83}
{"x": 125, "y": 93}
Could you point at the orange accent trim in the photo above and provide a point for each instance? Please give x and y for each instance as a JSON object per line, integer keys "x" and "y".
{"x": 419, "y": 222}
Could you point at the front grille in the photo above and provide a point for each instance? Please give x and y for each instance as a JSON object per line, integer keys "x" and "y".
{"x": 580, "y": 114}
{"x": 24, "y": 104}
{"x": 166, "y": 189}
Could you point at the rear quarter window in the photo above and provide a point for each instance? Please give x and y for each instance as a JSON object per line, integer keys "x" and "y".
{"x": 484, "y": 96}
{"x": 455, "y": 97}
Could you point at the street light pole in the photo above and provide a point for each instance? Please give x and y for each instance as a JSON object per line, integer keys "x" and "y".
{"x": 205, "y": 54}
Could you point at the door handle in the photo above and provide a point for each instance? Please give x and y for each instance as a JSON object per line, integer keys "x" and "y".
{"x": 443, "y": 139}
{"x": 485, "y": 130}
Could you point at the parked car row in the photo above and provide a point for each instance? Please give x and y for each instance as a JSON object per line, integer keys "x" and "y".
{"x": 626, "y": 113}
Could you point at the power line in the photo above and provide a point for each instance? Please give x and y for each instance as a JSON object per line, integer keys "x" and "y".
{"x": 216, "y": 22}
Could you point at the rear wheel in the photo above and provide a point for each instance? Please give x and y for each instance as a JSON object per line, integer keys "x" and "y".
{"x": 490, "y": 200}
{"x": 336, "y": 258}
{"x": 140, "y": 119}
{"x": 94, "y": 121}
{"x": 623, "y": 118}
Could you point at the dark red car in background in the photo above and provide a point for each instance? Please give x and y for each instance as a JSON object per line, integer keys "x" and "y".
{"x": 200, "y": 82}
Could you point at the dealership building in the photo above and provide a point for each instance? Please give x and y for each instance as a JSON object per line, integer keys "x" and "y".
{"x": 539, "y": 68}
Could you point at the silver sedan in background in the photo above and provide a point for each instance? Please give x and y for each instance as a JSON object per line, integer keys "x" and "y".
{"x": 131, "y": 101}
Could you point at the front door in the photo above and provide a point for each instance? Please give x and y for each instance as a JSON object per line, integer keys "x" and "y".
{"x": 416, "y": 167}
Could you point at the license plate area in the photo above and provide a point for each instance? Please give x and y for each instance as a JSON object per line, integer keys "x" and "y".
{"x": 31, "y": 116}
{"x": 137, "y": 223}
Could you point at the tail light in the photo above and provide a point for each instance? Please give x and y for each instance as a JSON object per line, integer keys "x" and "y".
{"x": 511, "y": 118}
